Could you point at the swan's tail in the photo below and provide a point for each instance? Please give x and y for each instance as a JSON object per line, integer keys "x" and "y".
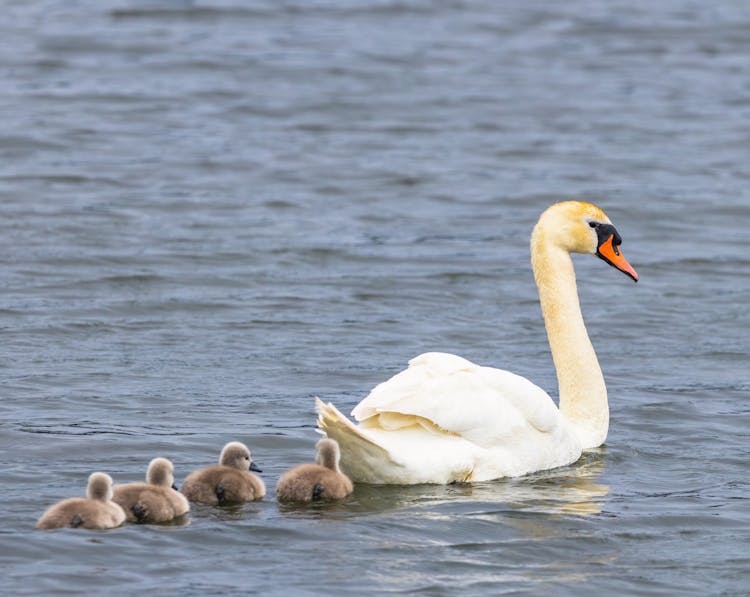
{"x": 361, "y": 458}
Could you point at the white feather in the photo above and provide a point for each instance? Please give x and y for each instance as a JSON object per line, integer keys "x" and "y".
{"x": 445, "y": 419}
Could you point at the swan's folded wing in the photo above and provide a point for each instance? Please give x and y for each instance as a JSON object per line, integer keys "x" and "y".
{"x": 411, "y": 383}
{"x": 481, "y": 404}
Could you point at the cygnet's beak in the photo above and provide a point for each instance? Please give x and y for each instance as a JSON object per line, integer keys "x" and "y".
{"x": 254, "y": 467}
{"x": 174, "y": 486}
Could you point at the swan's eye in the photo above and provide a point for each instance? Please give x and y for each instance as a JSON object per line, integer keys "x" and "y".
{"x": 593, "y": 224}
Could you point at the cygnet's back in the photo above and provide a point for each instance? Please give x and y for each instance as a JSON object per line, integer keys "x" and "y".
{"x": 229, "y": 482}
{"x": 154, "y": 501}
{"x": 320, "y": 481}
{"x": 96, "y": 511}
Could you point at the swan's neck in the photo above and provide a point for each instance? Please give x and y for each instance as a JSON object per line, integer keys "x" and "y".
{"x": 583, "y": 395}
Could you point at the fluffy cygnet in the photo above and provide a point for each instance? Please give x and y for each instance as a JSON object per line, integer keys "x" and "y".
{"x": 230, "y": 482}
{"x": 157, "y": 500}
{"x": 96, "y": 511}
{"x": 321, "y": 481}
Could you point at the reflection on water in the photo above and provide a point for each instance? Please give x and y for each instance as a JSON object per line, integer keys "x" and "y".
{"x": 180, "y": 521}
{"x": 228, "y": 513}
{"x": 572, "y": 490}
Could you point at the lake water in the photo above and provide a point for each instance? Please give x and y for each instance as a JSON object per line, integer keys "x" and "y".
{"x": 213, "y": 211}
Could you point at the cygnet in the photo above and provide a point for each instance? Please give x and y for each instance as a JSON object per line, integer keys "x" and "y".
{"x": 157, "y": 500}
{"x": 321, "y": 481}
{"x": 95, "y": 511}
{"x": 229, "y": 482}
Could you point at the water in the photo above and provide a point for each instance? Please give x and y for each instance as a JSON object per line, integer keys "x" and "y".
{"x": 213, "y": 211}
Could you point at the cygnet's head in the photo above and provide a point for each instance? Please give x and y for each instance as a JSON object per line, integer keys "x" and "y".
{"x": 237, "y": 455}
{"x": 160, "y": 472}
{"x": 99, "y": 487}
{"x": 328, "y": 453}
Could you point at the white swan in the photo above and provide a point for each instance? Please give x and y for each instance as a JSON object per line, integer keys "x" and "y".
{"x": 445, "y": 419}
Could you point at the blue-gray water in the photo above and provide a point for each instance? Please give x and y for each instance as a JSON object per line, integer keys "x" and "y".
{"x": 213, "y": 211}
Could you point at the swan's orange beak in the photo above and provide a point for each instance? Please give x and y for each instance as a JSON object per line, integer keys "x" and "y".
{"x": 610, "y": 252}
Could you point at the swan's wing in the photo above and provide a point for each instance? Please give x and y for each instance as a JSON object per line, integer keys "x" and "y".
{"x": 481, "y": 404}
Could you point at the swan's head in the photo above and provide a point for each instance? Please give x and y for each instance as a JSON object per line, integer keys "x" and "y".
{"x": 328, "y": 454}
{"x": 236, "y": 455}
{"x": 99, "y": 487}
{"x": 161, "y": 472}
{"x": 580, "y": 227}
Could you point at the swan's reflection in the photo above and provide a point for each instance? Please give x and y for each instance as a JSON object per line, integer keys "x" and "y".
{"x": 571, "y": 490}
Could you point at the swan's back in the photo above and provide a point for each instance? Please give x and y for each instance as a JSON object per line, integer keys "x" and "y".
{"x": 445, "y": 419}
{"x": 455, "y": 395}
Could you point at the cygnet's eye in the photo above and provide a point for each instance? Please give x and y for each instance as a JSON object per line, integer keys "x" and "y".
{"x": 247, "y": 458}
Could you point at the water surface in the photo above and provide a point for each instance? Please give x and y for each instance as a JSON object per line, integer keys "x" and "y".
{"x": 213, "y": 211}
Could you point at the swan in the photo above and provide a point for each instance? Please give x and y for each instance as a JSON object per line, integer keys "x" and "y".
{"x": 156, "y": 500}
{"x": 320, "y": 481}
{"x": 95, "y": 511}
{"x": 229, "y": 482}
{"x": 445, "y": 419}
